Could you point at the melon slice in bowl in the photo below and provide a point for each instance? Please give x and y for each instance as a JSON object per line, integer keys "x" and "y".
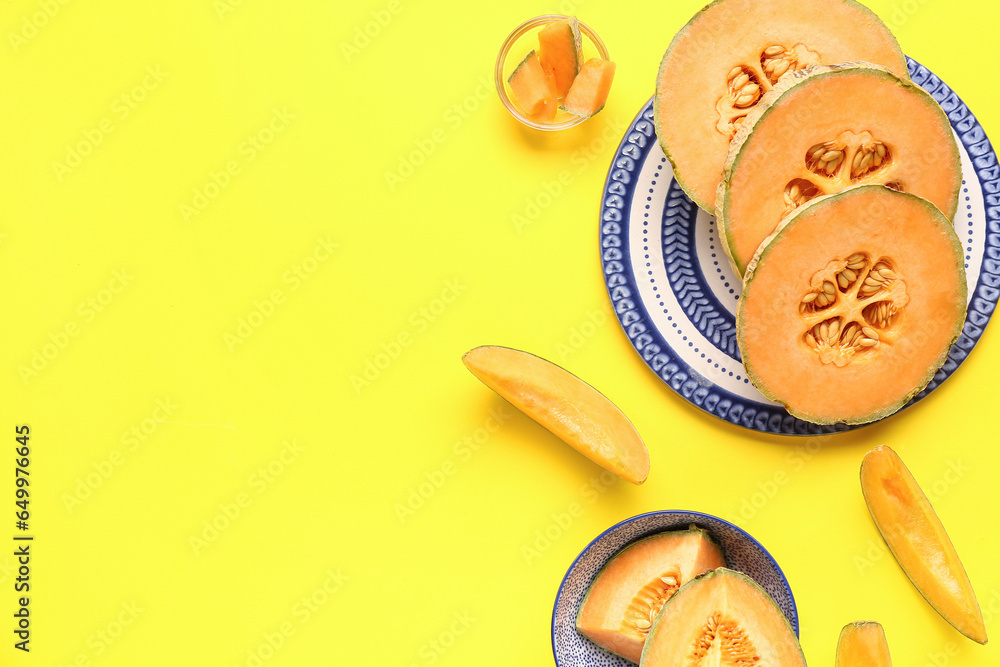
{"x": 731, "y": 53}
{"x": 721, "y": 618}
{"x": 852, "y": 305}
{"x": 826, "y": 128}
{"x": 630, "y": 590}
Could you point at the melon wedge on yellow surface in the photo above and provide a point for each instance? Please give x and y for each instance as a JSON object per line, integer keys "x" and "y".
{"x": 863, "y": 644}
{"x": 564, "y": 404}
{"x": 914, "y": 534}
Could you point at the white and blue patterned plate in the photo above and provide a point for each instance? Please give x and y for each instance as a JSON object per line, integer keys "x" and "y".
{"x": 742, "y": 552}
{"x": 675, "y": 294}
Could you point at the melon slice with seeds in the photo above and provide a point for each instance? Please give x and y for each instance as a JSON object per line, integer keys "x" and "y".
{"x": 852, "y": 305}
{"x": 633, "y": 586}
{"x": 826, "y": 128}
{"x": 731, "y": 53}
{"x": 721, "y": 618}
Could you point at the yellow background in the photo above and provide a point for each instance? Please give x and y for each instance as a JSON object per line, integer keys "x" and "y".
{"x": 135, "y": 305}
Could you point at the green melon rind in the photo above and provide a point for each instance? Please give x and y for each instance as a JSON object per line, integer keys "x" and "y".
{"x": 692, "y": 530}
{"x": 718, "y": 572}
{"x": 531, "y": 54}
{"x": 709, "y": 206}
{"x": 768, "y": 102}
{"x": 761, "y": 255}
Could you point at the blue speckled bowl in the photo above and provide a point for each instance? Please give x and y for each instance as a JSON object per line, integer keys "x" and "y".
{"x": 742, "y": 553}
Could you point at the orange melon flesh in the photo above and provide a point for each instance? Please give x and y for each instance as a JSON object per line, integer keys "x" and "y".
{"x": 632, "y": 587}
{"x": 721, "y": 618}
{"x": 590, "y": 88}
{"x": 564, "y": 404}
{"x": 532, "y": 89}
{"x": 863, "y": 644}
{"x": 693, "y": 78}
{"x": 816, "y": 106}
{"x": 846, "y": 380}
{"x": 914, "y": 534}
{"x": 560, "y": 52}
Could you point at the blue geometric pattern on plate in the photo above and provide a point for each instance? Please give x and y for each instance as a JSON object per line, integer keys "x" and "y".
{"x": 742, "y": 552}
{"x": 675, "y": 294}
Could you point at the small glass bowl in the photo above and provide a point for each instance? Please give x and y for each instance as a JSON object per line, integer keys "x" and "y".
{"x": 519, "y": 43}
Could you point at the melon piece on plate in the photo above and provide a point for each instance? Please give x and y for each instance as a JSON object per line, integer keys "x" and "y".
{"x": 560, "y": 52}
{"x": 633, "y": 586}
{"x": 590, "y": 88}
{"x": 914, "y": 534}
{"x": 532, "y": 89}
{"x": 862, "y": 644}
{"x": 852, "y": 305}
{"x": 721, "y": 618}
{"x": 826, "y": 128}
{"x": 567, "y": 406}
{"x": 732, "y": 52}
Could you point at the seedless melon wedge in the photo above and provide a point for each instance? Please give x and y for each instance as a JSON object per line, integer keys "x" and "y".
{"x": 826, "y": 128}
{"x": 914, "y": 534}
{"x": 852, "y": 305}
{"x": 560, "y": 52}
{"x": 721, "y": 618}
{"x": 590, "y": 88}
{"x": 630, "y": 590}
{"x": 732, "y": 52}
{"x": 564, "y": 404}
{"x": 862, "y": 644}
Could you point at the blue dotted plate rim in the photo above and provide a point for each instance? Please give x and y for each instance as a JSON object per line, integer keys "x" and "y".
{"x": 700, "y": 391}
{"x": 794, "y": 621}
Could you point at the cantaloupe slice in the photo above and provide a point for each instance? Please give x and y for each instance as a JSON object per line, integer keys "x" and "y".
{"x": 914, "y": 534}
{"x": 531, "y": 87}
{"x": 863, "y": 644}
{"x": 590, "y": 88}
{"x": 721, "y": 618}
{"x": 732, "y": 52}
{"x": 633, "y": 586}
{"x": 560, "y": 52}
{"x": 564, "y": 404}
{"x": 852, "y": 305}
{"x": 825, "y": 128}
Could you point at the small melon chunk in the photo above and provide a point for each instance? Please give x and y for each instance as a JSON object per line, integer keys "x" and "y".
{"x": 567, "y": 406}
{"x": 590, "y": 88}
{"x": 560, "y": 52}
{"x": 633, "y": 586}
{"x": 532, "y": 89}
{"x": 721, "y": 618}
{"x": 862, "y": 644}
{"x": 547, "y": 113}
{"x": 914, "y": 534}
